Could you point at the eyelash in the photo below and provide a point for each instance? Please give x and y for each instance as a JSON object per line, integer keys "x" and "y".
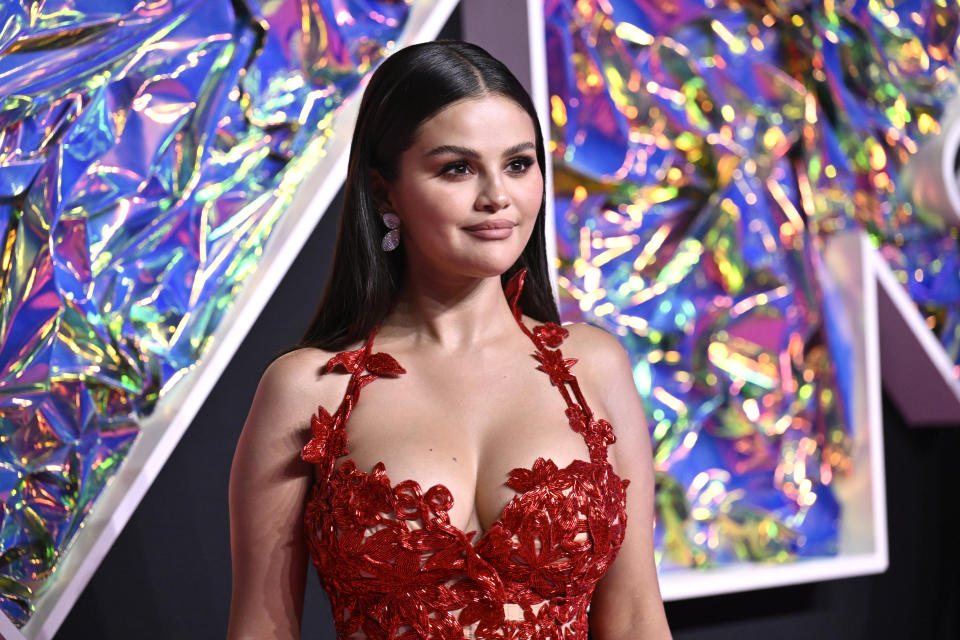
{"x": 448, "y": 169}
{"x": 525, "y": 163}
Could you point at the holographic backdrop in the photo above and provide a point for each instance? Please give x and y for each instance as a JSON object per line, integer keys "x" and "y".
{"x": 702, "y": 152}
{"x": 147, "y": 150}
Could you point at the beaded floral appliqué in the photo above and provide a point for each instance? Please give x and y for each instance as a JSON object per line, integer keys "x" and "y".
{"x": 396, "y": 568}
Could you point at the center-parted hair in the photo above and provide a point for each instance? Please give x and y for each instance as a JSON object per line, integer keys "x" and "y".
{"x": 408, "y": 88}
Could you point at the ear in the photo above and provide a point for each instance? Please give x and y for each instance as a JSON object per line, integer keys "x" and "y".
{"x": 380, "y": 189}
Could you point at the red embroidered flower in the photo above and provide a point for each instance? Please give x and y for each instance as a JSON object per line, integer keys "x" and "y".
{"x": 551, "y": 334}
{"x": 544, "y": 474}
{"x": 369, "y": 499}
{"x": 326, "y": 438}
{"x": 556, "y": 366}
{"x": 576, "y": 418}
{"x": 603, "y": 431}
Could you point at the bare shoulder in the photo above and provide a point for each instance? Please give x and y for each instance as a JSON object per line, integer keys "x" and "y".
{"x": 599, "y": 354}
{"x": 296, "y": 370}
{"x": 269, "y": 484}
{"x": 592, "y": 339}
{"x": 291, "y": 388}
{"x": 605, "y": 371}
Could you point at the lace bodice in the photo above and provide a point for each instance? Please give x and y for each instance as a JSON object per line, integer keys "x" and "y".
{"x": 395, "y": 567}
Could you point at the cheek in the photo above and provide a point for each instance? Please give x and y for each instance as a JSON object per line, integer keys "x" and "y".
{"x": 415, "y": 203}
{"x": 427, "y": 211}
{"x": 530, "y": 197}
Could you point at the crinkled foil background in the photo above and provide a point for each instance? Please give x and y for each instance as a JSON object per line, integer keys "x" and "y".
{"x": 703, "y": 150}
{"x": 147, "y": 151}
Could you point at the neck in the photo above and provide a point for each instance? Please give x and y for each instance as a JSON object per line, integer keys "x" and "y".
{"x": 452, "y": 313}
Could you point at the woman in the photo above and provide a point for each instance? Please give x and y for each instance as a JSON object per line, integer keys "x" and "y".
{"x": 477, "y": 492}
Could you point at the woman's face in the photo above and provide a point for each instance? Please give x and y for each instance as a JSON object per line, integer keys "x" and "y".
{"x": 468, "y": 190}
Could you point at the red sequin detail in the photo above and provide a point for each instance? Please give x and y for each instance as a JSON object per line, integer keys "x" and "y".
{"x": 530, "y": 576}
{"x": 551, "y": 334}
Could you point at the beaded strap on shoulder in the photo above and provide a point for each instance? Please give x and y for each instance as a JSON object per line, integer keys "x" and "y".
{"x": 328, "y": 432}
{"x": 547, "y": 338}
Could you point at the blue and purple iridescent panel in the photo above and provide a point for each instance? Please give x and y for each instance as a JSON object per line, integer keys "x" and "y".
{"x": 703, "y": 150}
{"x": 147, "y": 150}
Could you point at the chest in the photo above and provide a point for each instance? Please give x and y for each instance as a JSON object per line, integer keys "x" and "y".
{"x": 465, "y": 426}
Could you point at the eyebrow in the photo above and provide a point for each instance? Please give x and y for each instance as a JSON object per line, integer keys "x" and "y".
{"x": 453, "y": 149}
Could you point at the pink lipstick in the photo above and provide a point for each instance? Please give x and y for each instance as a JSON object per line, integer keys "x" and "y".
{"x": 492, "y": 229}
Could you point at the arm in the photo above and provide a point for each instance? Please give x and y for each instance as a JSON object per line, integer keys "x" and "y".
{"x": 626, "y": 602}
{"x": 268, "y": 488}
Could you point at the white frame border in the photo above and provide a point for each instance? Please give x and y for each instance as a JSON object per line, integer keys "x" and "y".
{"x": 849, "y": 270}
{"x": 920, "y": 376}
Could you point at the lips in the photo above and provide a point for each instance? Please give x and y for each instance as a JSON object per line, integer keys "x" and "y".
{"x": 492, "y": 224}
{"x": 491, "y": 229}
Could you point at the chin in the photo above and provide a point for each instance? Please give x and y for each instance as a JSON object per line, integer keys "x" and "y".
{"x": 490, "y": 270}
{"x": 491, "y": 273}
{"x": 490, "y": 262}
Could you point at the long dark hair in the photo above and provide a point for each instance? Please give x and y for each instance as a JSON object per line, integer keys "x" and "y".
{"x": 410, "y": 86}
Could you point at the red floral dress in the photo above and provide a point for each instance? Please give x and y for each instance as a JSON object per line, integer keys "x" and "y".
{"x": 530, "y": 576}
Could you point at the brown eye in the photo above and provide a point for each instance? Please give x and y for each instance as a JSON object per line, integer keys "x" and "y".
{"x": 520, "y": 164}
{"x": 455, "y": 168}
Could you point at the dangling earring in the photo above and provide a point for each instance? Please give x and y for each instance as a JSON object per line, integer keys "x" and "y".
{"x": 392, "y": 240}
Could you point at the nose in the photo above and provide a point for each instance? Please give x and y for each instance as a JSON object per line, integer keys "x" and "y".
{"x": 492, "y": 196}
